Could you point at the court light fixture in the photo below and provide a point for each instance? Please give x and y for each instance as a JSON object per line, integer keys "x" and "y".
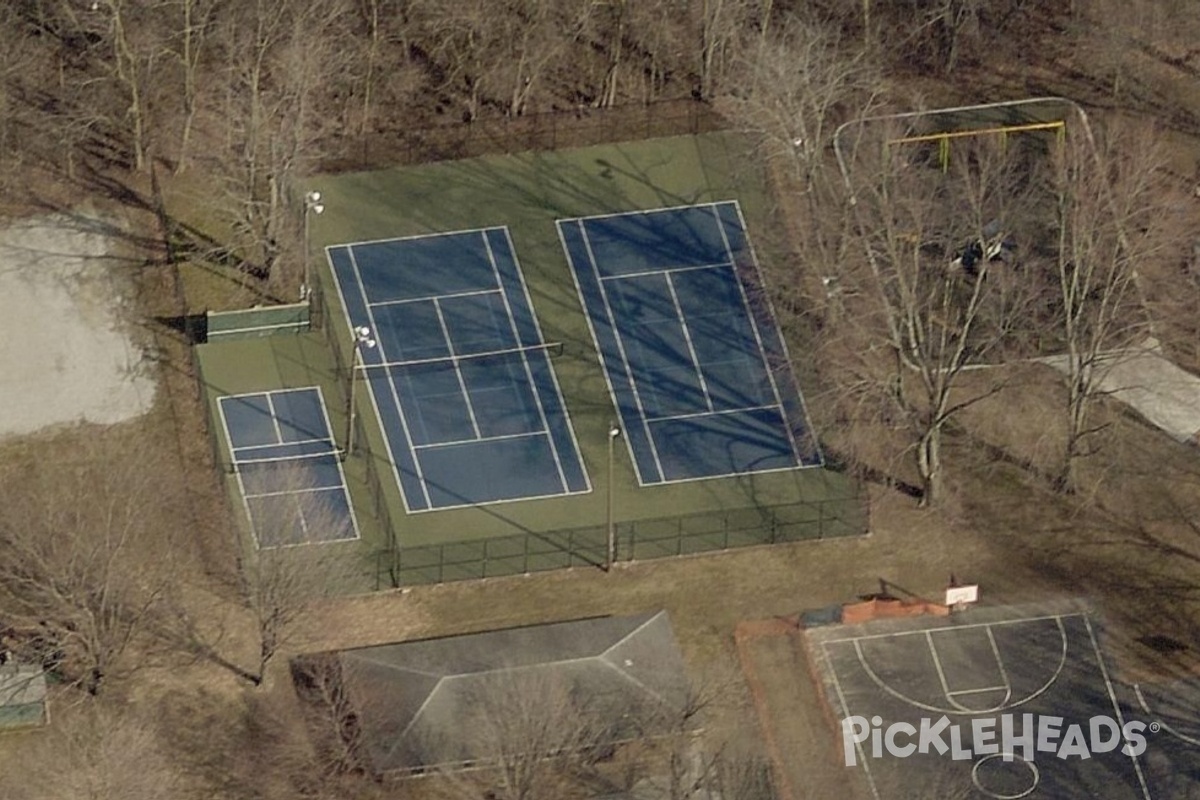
{"x": 362, "y": 340}
{"x": 312, "y": 205}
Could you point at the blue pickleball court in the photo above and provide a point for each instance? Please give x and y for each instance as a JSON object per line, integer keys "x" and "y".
{"x": 694, "y": 359}
{"x": 288, "y": 466}
{"x": 461, "y": 377}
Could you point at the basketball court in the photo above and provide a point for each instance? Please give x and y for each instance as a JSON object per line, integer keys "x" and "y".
{"x": 1007, "y": 702}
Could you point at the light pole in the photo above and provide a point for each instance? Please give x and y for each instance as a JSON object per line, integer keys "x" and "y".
{"x": 611, "y": 553}
{"x": 362, "y": 338}
{"x": 312, "y": 205}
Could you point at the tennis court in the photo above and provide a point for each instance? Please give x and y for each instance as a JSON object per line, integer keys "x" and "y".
{"x": 1020, "y": 690}
{"x": 461, "y": 378}
{"x": 694, "y": 360}
{"x": 288, "y": 467}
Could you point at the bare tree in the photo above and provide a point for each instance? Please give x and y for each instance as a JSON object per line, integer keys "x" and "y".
{"x": 929, "y": 282}
{"x": 1109, "y": 191}
{"x": 100, "y": 751}
{"x": 83, "y": 556}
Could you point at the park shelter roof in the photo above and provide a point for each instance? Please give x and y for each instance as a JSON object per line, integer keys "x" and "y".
{"x": 426, "y": 703}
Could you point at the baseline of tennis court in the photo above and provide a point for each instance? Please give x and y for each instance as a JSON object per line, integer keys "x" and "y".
{"x": 461, "y": 378}
{"x": 695, "y": 363}
{"x": 288, "y": 467}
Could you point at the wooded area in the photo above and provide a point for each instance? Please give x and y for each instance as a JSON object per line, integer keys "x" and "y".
{"x": 121, "y": 101}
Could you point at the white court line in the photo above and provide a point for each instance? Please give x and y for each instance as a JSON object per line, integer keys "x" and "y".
{"x": 408, "y": 300}
{"x": 340, "y": 468}
{"x": 411, "y": 237}
{"x": 951, "y": 695}
{"x": 241, "y": 485}
{"x": 533, "y": 388}
{"x": 236, "y": 450}
{"x": 1112, "y": 696}
{"x": 275, "y": 419}
{"x": 483, "y": 440}
{"x": 647, "y": 211}
{"x": 713, "y": 413}
{"x": 687, "y": 337}
{"x": 387, "y": 442}
{"x": 637, "y": 396}
{"x": 864, "y": 662}
{"x": 362, "y": 290}
{"x": 666, "y": 271}
{"x": 956, "y": 627}
{"x": 537, "y": 326}
{"x": 774, "y": 318}
{"x": 758, "y": 341}
{"x": 462, "y": 382}
{"x": 1166, "y": 726}
{"x": 862, "y": 755}
{"x": 587, "y": 315}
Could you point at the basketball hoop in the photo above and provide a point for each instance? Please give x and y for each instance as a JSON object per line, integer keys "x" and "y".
{"x": 959, "y": 598}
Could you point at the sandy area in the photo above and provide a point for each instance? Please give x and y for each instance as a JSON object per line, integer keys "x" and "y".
{"x": 65, "y": 354}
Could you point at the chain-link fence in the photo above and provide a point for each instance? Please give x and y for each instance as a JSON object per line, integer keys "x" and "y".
{"x": 548, "y": 131}
{"x": 635, "y": 540}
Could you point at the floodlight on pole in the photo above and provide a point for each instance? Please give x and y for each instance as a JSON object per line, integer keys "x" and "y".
{"x": 362, "y": 339}
{"x": 312, "y": 205}
{"x": 610, "y": 556}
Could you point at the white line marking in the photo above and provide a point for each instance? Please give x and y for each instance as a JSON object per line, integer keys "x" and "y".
{"x": 637, "y": 396}
{"x": 462, "y": 382}
{"x": 537, "y": 326}
{"x": 774, "y": 321}
{"x": 687, "y": 338}
{"x": 862, "y": 755}
{"x": 953, "y": 709}
{"x": 533, "y": 387}
{"x": 666, "y": 271}
{"x": 483, "y": 440}
{"x": 714, "y": 413}
{"x": 362, "y": 290}
{"x": 409, "y": 238}
{"x": 452, "y": 295}
{"x": 1112, "y": 695}
{"x": 648, "y": 211}
{"x": 587, "y": 315}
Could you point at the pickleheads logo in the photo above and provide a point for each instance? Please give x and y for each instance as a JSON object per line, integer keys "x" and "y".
{"x": 1007, "y": 736}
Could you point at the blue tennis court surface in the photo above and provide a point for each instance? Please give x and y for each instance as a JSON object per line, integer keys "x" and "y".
{"x": 461, "y": 377}
{"x": 698, "y": 372}
{"x": 288, "y": 467}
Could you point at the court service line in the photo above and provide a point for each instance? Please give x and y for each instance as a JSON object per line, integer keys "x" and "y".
{"x": 541, "y": 339}
{"x": 482, "y": 440}
{"x": 533, "y": 387}
{"x": 274, "y": 418}
{"x": 428, "y": 298}
{"x": 715, "y": 413}
{"x": 687, "y": 337}
{"x": 462, "y": 381}
{"x": 666, "y": 271}
{"x": 637, "y": 396}
{"x": 362, "y": 290}
{"x": 587, "y": 315}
